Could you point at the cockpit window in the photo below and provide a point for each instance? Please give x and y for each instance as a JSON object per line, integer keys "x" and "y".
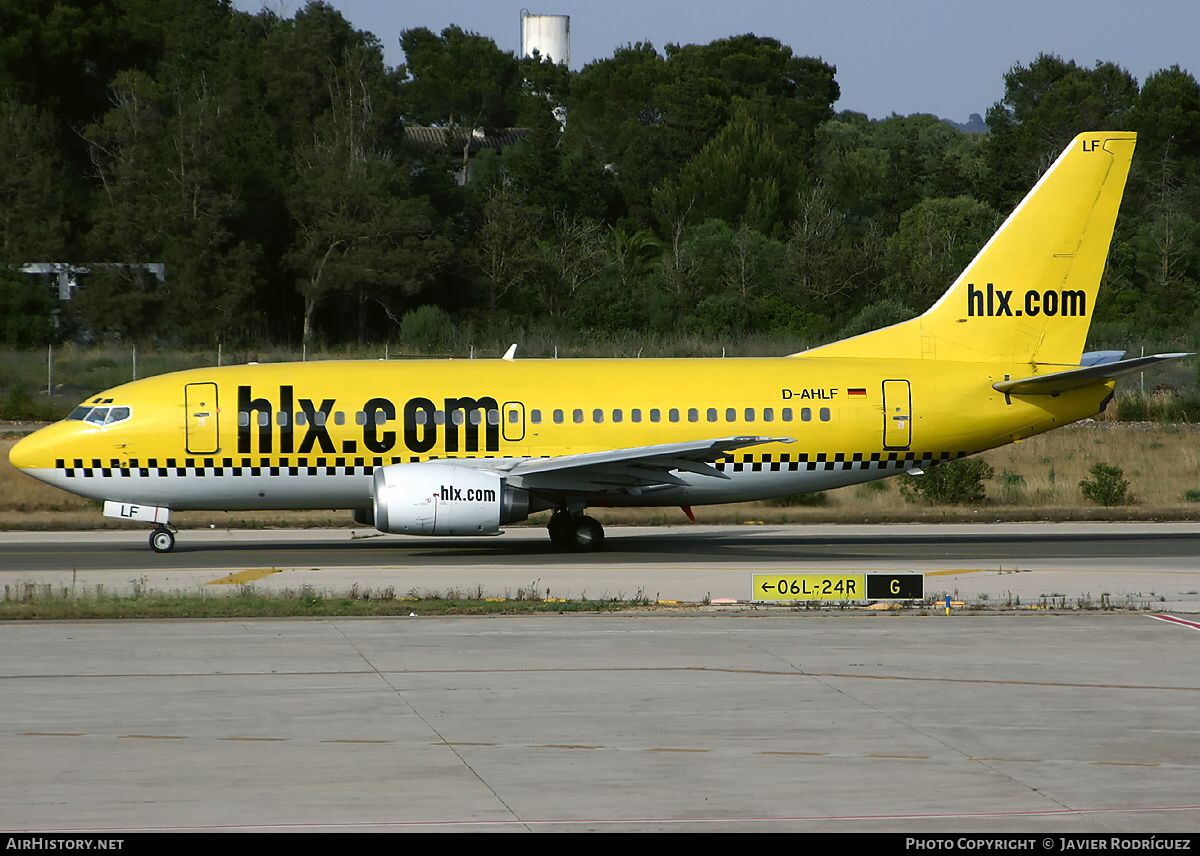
{"x": 99, "y": 415}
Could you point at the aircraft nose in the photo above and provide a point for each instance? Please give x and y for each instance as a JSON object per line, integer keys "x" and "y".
{"x": 32, "y": 452}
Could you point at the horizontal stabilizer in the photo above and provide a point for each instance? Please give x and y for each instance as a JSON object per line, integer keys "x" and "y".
{"x": 1100, "y": 358}
{"x": 1052, "y": 384}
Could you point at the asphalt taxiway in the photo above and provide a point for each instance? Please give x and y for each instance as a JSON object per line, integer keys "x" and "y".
{"x": 1147, "y": 565}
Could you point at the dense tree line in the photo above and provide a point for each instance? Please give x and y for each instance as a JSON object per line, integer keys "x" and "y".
{"x": 710, "y": 189}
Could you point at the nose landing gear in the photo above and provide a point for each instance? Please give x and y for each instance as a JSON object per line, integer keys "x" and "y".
{"x": 162, "y": 539}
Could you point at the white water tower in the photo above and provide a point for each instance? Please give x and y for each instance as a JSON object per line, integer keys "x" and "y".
{"x": 549, "y": 35}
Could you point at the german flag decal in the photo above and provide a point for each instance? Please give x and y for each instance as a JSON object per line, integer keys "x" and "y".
{"x": 857, "y": 392}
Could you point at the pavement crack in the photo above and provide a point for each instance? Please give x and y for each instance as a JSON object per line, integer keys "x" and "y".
{"x": 441, "y": 738}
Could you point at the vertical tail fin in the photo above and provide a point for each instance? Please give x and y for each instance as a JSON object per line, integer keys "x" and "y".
{"x": 1029, "y": 294}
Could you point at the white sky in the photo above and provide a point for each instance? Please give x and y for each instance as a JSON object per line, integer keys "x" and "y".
{"x": 946, "y": 57}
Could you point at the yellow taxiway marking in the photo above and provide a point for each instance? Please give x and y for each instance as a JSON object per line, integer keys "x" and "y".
{"x": 908, "y": 757}
{"x": 247, "y": 576}
{"x": 967, "y": 571}
{"x": 153, "y": 737}
{"x": 52, "y": 733}
{"x": 564, "y": 746}
{"x": 1006, "y": 571}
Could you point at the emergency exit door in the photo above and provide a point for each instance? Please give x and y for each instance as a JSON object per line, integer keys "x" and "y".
{"x": 897, "y": 414}
{"x": 200, "y": 407}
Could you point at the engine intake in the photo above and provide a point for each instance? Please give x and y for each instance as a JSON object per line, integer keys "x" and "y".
{"x": 444, "y": 499}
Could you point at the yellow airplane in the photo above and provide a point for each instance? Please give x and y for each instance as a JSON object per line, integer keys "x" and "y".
{"x": 465, "y": 447}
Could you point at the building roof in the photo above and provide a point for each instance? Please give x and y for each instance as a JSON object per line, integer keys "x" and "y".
{"x": 452, "y": 139}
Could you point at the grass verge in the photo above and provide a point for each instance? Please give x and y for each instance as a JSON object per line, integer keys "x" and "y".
{"x": 32, "y": 601}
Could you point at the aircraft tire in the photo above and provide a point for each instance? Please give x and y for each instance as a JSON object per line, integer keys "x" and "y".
{"x": 587, "y": 535}
{"x": 559, "y": 528}
{"x": 162, "y": 541}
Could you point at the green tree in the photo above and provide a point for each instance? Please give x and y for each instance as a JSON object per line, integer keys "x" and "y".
{"x": 575, "y": 256}
{"x": 26, "y": 310}
{"x": 952, "y": 483}
{"x": 33, "y": 193}
{"x": 460, "y": 79}
{"x": 1167, "y": 119}
{"x": 1044, "y": 106}
{"x": 936, "y": 240}
{"x": 62, "y": 56}
{"x": 764, "y": 76}
{"x": 1106, "y": 486}
{"x": 741, "y": 263}
{"x": 742, "y": 176}
{"x": 504, "y": 251}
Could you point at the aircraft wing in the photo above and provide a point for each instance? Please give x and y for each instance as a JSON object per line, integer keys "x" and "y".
{"x": 1052, "y": 384}
{"x": 644, "y": 467}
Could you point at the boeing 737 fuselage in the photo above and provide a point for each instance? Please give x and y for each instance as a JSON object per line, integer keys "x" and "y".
{"x": 465, "y": 447}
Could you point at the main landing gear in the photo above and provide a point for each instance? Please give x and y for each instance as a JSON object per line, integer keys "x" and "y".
{"x": 162, "y": 539}
{"x": 579, "y": 533}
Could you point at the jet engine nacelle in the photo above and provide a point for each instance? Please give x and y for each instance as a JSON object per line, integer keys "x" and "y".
{"x": 444, "y": 499}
